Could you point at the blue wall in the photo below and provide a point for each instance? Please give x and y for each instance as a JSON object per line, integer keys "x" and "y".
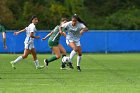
{"x": 92, "y": 41}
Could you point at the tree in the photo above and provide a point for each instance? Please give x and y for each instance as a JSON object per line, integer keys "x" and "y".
{"x": 5, "y": 14}
{"x": 124, "y": 19}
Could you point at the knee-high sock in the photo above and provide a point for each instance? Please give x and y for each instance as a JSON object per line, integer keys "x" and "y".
{"x": 36, "y": 63}
{"x": 79, "y": 60}
{"x": 72, "y": 54}
{"x": 18, "y": 59}
{"x": 53, "y": 58}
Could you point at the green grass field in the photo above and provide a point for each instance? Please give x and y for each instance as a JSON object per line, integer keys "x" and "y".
{"x": 101, "y": 73}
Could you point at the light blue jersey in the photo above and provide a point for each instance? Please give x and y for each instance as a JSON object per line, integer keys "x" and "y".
{"x": 29, "y": 29}
{"x": 73, "y": 31}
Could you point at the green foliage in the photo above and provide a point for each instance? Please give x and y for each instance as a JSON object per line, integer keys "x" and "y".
{"x": 98, "y": 14}
{"x": 124, "y": 19}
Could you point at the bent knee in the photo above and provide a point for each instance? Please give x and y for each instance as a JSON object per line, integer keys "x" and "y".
{"x": 58, "y": 56}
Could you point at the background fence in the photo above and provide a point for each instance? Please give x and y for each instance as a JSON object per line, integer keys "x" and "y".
{"x": 92, "y": 41}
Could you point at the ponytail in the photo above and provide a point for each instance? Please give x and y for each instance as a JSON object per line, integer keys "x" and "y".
{"x": 79, "y": 19}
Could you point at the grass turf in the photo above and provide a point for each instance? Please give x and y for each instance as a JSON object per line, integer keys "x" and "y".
{"x": 101, "y": 73}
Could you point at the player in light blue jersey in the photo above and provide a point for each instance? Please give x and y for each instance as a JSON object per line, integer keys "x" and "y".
{"x": 75, "y": 28}
{"x": 29, "y": 43}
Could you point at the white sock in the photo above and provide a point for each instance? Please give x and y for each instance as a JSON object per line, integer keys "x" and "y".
{"x": 72, "y": 54}
{"x": 36, "y": 63}
{"x": 18, "y": 59}
{"x": 79, "y": 60}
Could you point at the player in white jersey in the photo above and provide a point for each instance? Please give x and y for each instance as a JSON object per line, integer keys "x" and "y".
{"x": 75, "y": 28}
{"x": 29, "y": 43}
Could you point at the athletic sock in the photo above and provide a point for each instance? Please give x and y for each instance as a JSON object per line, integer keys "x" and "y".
{"x": 79, "y": 60}
{"x": 72, "y": 54}
{"x": 18, "y": 59}
{"x": 52, "y": 59}
{"x": 36, "y": 63}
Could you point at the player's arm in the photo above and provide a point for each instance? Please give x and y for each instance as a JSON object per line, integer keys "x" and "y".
{"x": 61, "y": 32}
{"x": 47, "y": 35}
{"x": 32, "y": 35}
{"x": 83, "y": 30}
{"x": 63, "y": 26}
{"x": 23, "y": 30}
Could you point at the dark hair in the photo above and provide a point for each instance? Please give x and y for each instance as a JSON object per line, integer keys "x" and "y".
{"x": 79, "y": 19}
{"x": 33, "y": 17}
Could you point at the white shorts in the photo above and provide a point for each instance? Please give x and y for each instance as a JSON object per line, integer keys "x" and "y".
{"x": 76, "y": 42}
{"x": 29, "y": 46}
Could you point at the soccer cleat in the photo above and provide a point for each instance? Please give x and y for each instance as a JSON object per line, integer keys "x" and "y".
{"x": 12, "y": 63}
{"x": 78, "y": 68}
{"x": 46, "y": 62}
{"x": 70, "y": 65}
{"x": 40, "y": 67}
{"x": 63, "y": 67}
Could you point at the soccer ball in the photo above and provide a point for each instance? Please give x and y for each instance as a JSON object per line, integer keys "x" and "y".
{"x": 65, "y": 59}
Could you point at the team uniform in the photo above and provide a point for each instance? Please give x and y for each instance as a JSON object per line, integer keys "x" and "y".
{"x": 29, "y": 42}
{"x": 73, "y": 34}
{"x": 54, "y": 42}
{"x": 54, "y": 38}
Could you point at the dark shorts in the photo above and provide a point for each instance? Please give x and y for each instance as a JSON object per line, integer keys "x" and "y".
{"x": 52, "y": 43}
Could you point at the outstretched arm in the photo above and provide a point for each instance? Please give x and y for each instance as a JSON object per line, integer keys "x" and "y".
{"x": 16, "y": 33}
{"x": 61, "y": 32}
{"x": 47, "y": 36}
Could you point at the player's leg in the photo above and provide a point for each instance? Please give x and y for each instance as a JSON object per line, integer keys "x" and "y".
{"x": 55, "y": 57}
{"x": 63, "y": 51}
{"x": 33, "y": 52}
{"x": 73, "y": 46}
{"x": 4, "y": 39}
{"x": 79, "y": 57}
{"x": 73, "y": 52}
{"x": 26, "y": 53}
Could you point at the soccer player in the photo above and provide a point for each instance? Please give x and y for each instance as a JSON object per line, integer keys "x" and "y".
{"x": 75, "y": 28}
{"x": 53, "y": 43}
{"x": 29, "y": 43}
{"x": 3, "y": 31}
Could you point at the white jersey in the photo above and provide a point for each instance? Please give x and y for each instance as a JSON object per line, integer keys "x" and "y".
{"x": 73, "y": 31}
{"x": 29, "y": 29}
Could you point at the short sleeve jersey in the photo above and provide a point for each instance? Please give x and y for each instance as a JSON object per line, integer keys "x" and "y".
{"x": 73, "y": 31}
{"x": 55, "y": 37}
{"x": 31, "y": 28}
